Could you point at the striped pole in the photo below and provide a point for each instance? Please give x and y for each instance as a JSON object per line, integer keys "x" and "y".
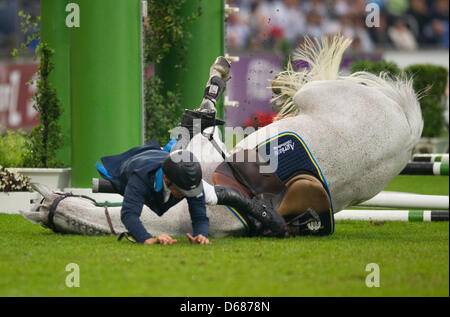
{"x": 387, "y": 199}
{"x": 432, "y": 158}
{"x": 425, "y": 168}
{"x": 392, "y": 215}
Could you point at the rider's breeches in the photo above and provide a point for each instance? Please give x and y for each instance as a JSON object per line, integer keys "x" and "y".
{"x": 210, "y": 193}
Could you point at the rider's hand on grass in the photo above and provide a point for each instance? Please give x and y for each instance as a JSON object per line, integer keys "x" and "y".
{"x": 199, "y": 239}
{"x": 163, "y": 239}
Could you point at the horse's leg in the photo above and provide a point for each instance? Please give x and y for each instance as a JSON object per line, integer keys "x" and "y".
{"x": 206, "y": 113}
{"x": 304, "y": 192}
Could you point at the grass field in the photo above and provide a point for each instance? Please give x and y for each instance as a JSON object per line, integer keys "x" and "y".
{"x": 413, "y": 259}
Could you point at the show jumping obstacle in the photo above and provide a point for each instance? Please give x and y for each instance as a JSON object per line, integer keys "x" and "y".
{"x": 392, "y": 215}
{"x": 432, "y": 157}
{"x": 426, "y": 168}
{"x": 407, "y": 200}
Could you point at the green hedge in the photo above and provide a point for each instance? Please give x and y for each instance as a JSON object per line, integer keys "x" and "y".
{"x": 13, "y": 149}
{"x": 430, "y": 79}
{"x": 160, "y": 111}
{"x": 167, "y": 31}
{"x": 375, "y": 67}
{"x": 45, "y": 139}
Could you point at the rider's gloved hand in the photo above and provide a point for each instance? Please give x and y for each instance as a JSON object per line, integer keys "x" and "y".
{"x": 199, "y": 239}
{"x": 163, "y": 239}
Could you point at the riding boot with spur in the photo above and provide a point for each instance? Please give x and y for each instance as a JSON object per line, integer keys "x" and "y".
{"x": 252, "y": 209}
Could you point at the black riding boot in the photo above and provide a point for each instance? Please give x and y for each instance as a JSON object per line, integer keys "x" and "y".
{"x": 252, "y": 209}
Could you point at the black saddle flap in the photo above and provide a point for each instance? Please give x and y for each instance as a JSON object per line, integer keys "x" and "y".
{"x": 245, "y": 166}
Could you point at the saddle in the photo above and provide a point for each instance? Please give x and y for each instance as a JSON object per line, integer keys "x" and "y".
{"x": 242, "y": 172}
{"x": 301, "y": 196}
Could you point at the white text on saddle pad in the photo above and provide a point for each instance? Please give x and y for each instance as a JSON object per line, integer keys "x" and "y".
{"x": 283, "y": 148}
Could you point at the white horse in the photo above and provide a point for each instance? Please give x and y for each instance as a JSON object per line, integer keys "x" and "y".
{"x": 360, "y": 131}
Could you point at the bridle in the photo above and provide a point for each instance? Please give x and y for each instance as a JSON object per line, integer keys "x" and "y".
{"x": 62, "y": 196}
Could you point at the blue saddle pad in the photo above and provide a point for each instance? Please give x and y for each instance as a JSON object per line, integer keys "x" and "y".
{"x": 293, "y": 155}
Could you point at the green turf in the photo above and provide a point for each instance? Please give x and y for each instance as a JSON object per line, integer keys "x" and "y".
{"x": 413, "y": 260}
{"x": 430, "y": 185}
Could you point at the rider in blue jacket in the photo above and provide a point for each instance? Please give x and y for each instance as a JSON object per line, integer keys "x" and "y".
{"x": 160, "y": 178}
{"x": 141, "y": 176}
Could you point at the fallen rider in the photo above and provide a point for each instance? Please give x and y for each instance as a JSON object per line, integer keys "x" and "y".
{"x": 161, "y": 178}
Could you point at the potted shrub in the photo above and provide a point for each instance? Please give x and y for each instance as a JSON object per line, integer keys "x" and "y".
{"x": 13, "y": 148}
{"x": 15, "y": 192}
{"x": 37, "y": 158}
{"x": 15, "y": 152}
{"x": 40, "y": 163}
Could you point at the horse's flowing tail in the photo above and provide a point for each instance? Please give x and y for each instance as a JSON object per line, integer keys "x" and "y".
{"x": 324, "y": 58}
{"x": 400, "y": 90}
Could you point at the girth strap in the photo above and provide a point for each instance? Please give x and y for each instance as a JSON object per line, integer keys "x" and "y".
{"x": 108, "y": 219}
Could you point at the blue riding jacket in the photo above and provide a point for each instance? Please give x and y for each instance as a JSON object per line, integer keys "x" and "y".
{"x": 137, "y": 175}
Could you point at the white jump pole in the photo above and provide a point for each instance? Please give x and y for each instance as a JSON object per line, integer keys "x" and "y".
{"x": 407, "y": 200}
{"x": 392, "y": 215}
{"x": 426, "y": 168}
{"x": 432, "y": 157}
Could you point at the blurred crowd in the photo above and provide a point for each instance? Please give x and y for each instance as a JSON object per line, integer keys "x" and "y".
{"x": 10, "y": 30}
{"x": 264, "y": 24}
{"x": 400, "y": 24}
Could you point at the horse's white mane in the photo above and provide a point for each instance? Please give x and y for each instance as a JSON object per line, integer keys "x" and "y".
{"x": 324, "y": 58}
